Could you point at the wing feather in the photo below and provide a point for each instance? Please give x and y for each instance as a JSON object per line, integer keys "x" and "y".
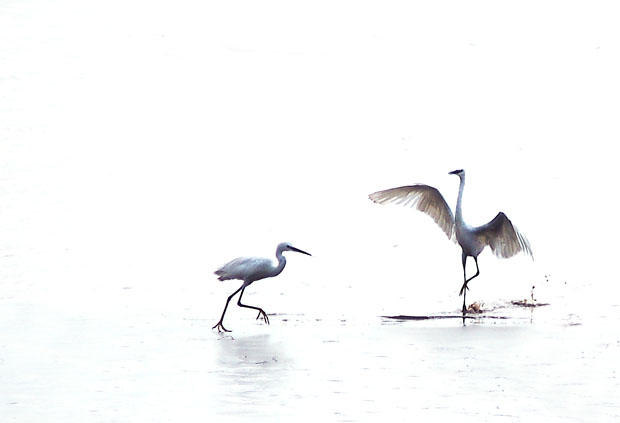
{"x": 245, "y": 268}
{"x": 424, "y": 198}
{"x": 503, "y": 237}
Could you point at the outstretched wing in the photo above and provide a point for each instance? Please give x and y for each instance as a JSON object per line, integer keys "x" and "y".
{"x": 424, "y": 198}
{"x": 503, "y": 237}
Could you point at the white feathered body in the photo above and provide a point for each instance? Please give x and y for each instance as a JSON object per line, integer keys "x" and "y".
{"x": 249, "y": 269}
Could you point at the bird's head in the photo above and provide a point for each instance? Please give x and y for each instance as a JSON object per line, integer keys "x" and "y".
{"x": 285, "y": 246}
{"x": 459, "y": 172}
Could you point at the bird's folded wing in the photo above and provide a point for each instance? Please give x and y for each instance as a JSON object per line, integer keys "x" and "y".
{"x": 244, "y": 268}
{"x": 424, "y": 198}
{"x": 503, "y": 237}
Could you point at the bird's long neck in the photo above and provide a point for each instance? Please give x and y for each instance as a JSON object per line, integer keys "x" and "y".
{"x": 281, "y": 263}
{"x": 459, "y": 202}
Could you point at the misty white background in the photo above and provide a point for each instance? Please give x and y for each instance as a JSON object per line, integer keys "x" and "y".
{"x": 143, "y": 144}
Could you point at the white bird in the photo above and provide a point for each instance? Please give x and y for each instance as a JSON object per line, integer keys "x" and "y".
{"x": 499, "y": 234}
{"x": 251, "y": 269}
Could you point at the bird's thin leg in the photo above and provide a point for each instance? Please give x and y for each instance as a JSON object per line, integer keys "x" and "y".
{"x": 465, "y": 287}
{"x": 261, "y": 312}
{"x": 220, "y": 325}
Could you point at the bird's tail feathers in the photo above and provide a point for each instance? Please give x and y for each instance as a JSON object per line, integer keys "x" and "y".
{"x": 221, "y": 274}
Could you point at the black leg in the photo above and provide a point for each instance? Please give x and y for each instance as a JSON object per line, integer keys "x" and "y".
{"x": 261, "y": 312}
{"x": 220, "y": 325}
{"x": 464, "y": 288}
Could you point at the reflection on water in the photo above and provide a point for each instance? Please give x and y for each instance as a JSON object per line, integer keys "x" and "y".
{"x": 251, "y": 372}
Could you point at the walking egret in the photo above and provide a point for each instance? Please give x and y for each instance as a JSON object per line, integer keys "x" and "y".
{"x": 499, "y": 234}
{"x": 251, "y": 269}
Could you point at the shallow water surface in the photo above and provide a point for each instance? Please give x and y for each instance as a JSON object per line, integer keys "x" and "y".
{"x": 479, "y": 371}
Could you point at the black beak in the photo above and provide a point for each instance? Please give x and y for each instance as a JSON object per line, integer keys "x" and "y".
{"x": 455, "y": 172}
{"x": 297, "y": 250}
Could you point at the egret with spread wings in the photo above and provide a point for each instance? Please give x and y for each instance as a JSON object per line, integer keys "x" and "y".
{"x": 499, "y": 234}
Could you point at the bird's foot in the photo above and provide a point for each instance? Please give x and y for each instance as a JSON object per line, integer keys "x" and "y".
{"x": 220, "y": 327}
{"x": 261, "y": 313}
{"x": 463, "y": 288}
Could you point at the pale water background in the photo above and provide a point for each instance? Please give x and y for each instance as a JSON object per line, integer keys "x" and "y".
{"x": 143, "y": 144}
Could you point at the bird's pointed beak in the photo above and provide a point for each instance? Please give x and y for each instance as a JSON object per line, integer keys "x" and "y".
{"x": 297, "y": 250}
{"x": 455, "y": 172}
